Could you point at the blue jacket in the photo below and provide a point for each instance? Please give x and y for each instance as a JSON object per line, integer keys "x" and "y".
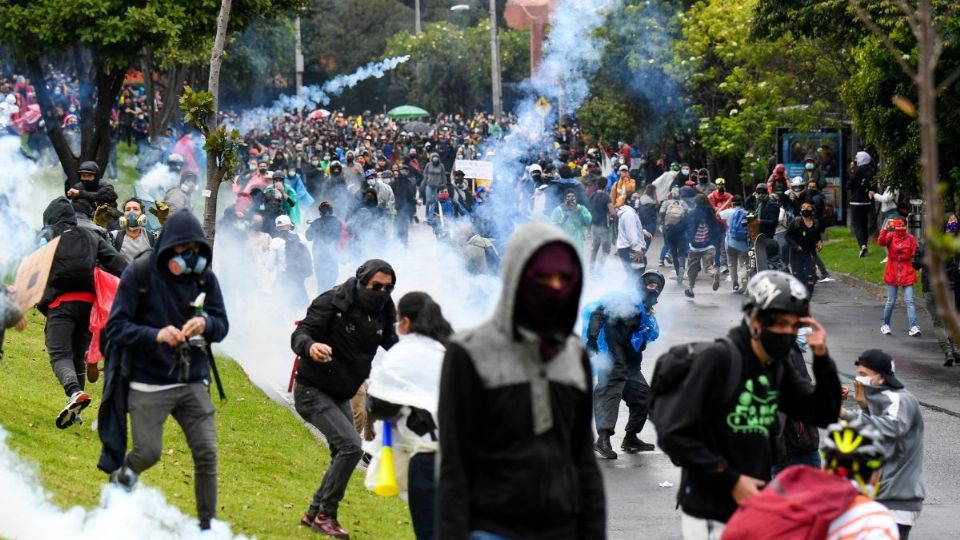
{"x": 167, "y": 304}
{"x": 627, "y": 312}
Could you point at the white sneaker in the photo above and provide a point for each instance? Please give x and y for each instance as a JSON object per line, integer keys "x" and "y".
{"x": 885, "y": 330}
{"x": 884, "y": 261}
{"x": 826, "y": 279}
{"x": 915, "y": 331}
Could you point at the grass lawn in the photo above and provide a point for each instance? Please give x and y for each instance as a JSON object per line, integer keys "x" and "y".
{"x": 270, "y": 464}
{"x": 841, "y": 254}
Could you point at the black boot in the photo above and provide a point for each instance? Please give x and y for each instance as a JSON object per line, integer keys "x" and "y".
{"x": 603, "y": 449}
{"x": 951, "y": 359}
{"x": 632, "y": 444}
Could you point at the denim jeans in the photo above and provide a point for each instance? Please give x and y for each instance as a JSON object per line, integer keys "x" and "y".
{"x": 422, "y": 488}
{"x": 892, "y": 299}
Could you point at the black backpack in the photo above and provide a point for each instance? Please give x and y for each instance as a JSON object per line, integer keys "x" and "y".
{"x": 73, "y": 263}
{"x": 667, "y": 395}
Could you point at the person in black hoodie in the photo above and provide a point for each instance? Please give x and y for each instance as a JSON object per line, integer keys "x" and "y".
{"x": 516, "y": 442}
{"x": 166, "y": 333}
{"x": 90, "y": 188}
{"x": 68, "y": 299}
{"x": 336, "y": 342}
{"x": 722, "y": 442}
{"x": 861, "y": 203}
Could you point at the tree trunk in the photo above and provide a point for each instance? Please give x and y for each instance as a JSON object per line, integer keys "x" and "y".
{"x": 214, "y": 173}
{"x": 930, "y": 160}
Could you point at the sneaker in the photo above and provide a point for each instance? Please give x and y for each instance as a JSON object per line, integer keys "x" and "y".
{"x": 863, "y": 251}
{"x": 328, "y": 526}
{"x": 949, "y": 360}
{"x": 124, "y": 477}
{"x": 364, "y": 461}
{"x": 77, "y": 402}
{"x": 603, "y": 449}
{"x": 716, "y": 280}
{"x": 885, "y": 330}
{"x": 632, "y": 444}
{"x": 661, "y": 264}
{"x": 884, "y": 261}
{"x": 915, "y": 331}
{"x": 688, "y": 293}
{"x": 726, "y": 270}
{"x": 825, "y": 279}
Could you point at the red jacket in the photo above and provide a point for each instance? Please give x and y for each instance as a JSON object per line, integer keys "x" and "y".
{"x": 899, "y": 270}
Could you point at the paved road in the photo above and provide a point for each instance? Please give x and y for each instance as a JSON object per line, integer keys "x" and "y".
{"x": 639, "y": 509}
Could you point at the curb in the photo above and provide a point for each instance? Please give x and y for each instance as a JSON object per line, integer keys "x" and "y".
{"x": 876, "y": 290}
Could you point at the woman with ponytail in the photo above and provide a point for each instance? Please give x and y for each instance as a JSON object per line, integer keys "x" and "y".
{"x": 405, "y": 389}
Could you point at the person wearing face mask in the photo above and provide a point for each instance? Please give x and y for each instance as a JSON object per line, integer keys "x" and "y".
{"x": 182, "y": 195}
{"x": 435, "y": 178}
{"x": 718, "y": 428}
{"x": 616, "y": 331}
{"x": 514, "y": 397}
{"x": 719, "y": 199}
{"x": 683, "y": 174}
{"x": 168, "y": 309}
{"x": 68, "y": 299}
{"x": 353, "y": 173}
{"x": 325, "y": 232}
{"x": 314, "y": 173}
{"x": 405, "y": 389}
{"x": 803, "y": 237}
{"x": 573, "y": 218}
{"x": 888, "y": 407}
{"x": 132, "y": 240}
{"x": 951, "y": 351}
{"x": 811, "y": 173}
{"x": 898, "y": 273}
{"x": 336, "y": 342}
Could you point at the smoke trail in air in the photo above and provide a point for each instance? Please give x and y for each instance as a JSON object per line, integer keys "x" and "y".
{"x": 316, "y": 95}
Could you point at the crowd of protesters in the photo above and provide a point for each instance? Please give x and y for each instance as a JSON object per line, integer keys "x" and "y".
{"x": 350, "y": 182}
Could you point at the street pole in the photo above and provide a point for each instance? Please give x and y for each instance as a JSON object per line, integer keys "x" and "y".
{"x": 298, "y": 55}
{"x": 495, "y": 62}
{"x": 416, "y": 16}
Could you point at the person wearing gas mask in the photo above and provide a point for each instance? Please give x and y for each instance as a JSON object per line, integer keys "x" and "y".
{"x": 616, "y": 331}
{"x": 133, "y": 239}
{"x": 336, "y": 342}
{"x": 514, "y": 399}
{"x": 182, "y": 195}
{"x": 888, "y": 407}
{"x": 721, "y": 434}
{"x": 167, "y": 311}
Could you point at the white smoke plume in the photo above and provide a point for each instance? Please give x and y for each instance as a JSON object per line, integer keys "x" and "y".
{"x": 22, "y": 201}
{"x": 28, "y": 514}
{"x": 316, "y": 95}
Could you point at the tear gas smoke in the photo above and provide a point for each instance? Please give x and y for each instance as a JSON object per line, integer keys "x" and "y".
{"x": 22, "y": 201}
{"x": 156, "y": 182}
{"x": 28, "y": 514}
{"x": 315, "y": 95}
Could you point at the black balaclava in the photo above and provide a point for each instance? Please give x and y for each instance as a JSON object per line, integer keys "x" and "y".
{"x": 544, "y": 309}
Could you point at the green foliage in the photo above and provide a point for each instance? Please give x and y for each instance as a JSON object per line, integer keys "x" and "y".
{"x": 269, "y": 463}
{"x": 197, "y": 107}
{"x": 225, "y": 147}
{"x": 259, "y": 63}
{"x": 744, "y": 87}
{"x": 607, "y": 119}
{"x": 449, "y": 67}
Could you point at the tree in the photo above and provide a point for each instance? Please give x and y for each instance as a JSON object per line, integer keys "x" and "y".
{"x": 926, "y": 29}
{"x": 449, "y": 67}
{"x": 744, "y": 85}
{"x": 99, "y": 40}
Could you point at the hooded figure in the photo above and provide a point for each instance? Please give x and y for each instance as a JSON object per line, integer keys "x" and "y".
{"x": 68, "y": 298}
{"x": 157, "y": 335}
{"x": 336, "y": 343}
{"x": 519, "y": 386}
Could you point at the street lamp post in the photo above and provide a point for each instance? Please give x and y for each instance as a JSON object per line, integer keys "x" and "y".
{"x": 298, "y": 55}
{"x": 495, "y": 62}
{"x": 416, "y": 17}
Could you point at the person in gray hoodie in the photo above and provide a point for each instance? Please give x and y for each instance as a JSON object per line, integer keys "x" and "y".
{"x": 893, "y": 411}
{"x": 435, "y": 177}
{"x": 516, "y": 441}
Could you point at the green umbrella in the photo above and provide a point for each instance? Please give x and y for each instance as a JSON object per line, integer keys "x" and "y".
{"x": 407, "y": 111}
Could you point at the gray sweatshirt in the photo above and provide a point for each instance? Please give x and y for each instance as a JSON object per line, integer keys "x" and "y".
{"x": 896, "y": 415}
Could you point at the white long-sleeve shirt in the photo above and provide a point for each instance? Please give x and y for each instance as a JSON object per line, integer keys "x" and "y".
{"x": 887, "y": 199}
{"x": 630, "y": 230}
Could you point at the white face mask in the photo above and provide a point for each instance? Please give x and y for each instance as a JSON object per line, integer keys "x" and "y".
{"x": 864, "y": 380}
{"x": 685, "y": 171}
